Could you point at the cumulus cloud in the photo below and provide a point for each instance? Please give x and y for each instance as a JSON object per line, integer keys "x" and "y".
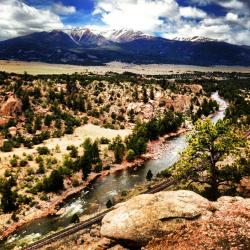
{"x": 168, "y": 18}
{"x": 231, "y": 17}
{"x": 229, "y": 4}
{"x": 192, "y": 12}
{"x": 136, "y": 14}
{"x": 17, "y": 18}
{"x": 60, "y": 9}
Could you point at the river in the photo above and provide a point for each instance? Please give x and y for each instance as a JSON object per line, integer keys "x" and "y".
{"x": 94, "y": 198}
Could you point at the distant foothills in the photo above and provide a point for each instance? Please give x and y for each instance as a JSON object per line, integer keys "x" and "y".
{"x": 82, "y": 46}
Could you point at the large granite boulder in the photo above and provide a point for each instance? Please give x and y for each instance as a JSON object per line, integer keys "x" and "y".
{"x": 146, "y": 216}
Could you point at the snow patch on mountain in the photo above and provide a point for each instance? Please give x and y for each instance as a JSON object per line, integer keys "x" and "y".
{"x": 118, "y": 36}
{"x": 124, "y": 35}
{"x": 195, "y": 39}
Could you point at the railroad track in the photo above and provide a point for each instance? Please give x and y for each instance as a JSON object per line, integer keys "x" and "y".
{"x": 95, "y": 220}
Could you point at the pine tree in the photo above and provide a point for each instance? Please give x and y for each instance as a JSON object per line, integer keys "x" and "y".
{"x": 144, "y": 95}
{"x": 149, "y": 175}
{"x": 199, "y": 163}
{"x": 152, "y": 95}
{"x": 9, "y": 197}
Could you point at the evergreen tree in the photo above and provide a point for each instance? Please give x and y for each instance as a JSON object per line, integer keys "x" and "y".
{"x": 109, "y": 204}
{"x": 152, "y": 95}
{"x": 119, "y": 149}
{"x": 144, "y": 95}
{"x": 9, "y": 197}
{"x": 91, "y": 156}
{"x": 131, "y": 155}
{"x": 199, "y": 164}
{"x": 54, "y": 182}
{"x": 149, "y": 175}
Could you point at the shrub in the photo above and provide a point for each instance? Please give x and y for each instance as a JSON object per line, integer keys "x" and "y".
{"x": 109, "y": 204}
{"x": 41, "y": 169}
{"x": 13, "y": 162}
{"x": 43, "y": 150}
{"x": 30, "y": 171}
{"x": 44, "y": 197}
{"x": 75, "y": 183}
{"x": 85, "y": 120}
{"x": 104, "y": 140}
{"x": 75, "y": 218}
{"x": 7, "y": 146}
{"x": 106, "y": 167}
{"x": 98, "y": 168}
{"x": 73, "y": 151}
{"x": 23, "y": 163}
{"x": 131, "y": 155}
{"x": 149, "y": 175}
{"x": 54, "y": 182}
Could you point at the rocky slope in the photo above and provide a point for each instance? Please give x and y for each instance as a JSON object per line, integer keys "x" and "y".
{"x": 184, "y": 219}
{"x": 168, "y": 220}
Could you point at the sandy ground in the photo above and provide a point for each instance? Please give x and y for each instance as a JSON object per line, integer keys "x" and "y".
{"x": 76, "y": 139}
{"x": 157, "y": 69}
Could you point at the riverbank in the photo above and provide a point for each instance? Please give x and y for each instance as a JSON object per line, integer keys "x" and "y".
{"x": 154, "y": 151}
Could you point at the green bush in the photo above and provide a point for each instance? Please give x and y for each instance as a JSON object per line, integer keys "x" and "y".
{"x": 54, "y": 182}
{"x": 23, "y": 163}
{"x": 109, "y": 204}
{"x": 7, "y": 146}
{"x": 131, "y": 155}
{"x": 75, "y": 183}
{"x": 43, "y": 150}
{"x": 149, "y": 175}
{"x": 104, "y": 140}
{"x": 13, "y": 162}
{"x": 106, "y": 167}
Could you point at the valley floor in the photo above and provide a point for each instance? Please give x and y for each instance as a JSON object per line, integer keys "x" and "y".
{"x": 36, "y": 68}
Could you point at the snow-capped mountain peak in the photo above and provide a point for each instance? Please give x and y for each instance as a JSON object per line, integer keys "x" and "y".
{"x": 85, "y": 35}
{"x": 123, "y": 35}
{"x": 113, "y": 35}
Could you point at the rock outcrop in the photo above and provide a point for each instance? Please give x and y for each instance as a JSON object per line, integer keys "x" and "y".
{"x": 194, "y": 88}
{"x": 11, "y": 107}
{"x": 166, "y": 216}
{"x": 227, "y": 228}
{"x": 153, "y": 215}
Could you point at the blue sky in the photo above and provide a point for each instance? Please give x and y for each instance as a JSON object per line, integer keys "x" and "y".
{"x": 227, "y": 20}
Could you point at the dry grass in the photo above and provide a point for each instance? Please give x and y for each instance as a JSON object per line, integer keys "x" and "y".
{"x": 77, "y": 138}
{"x": 36, "y": 68}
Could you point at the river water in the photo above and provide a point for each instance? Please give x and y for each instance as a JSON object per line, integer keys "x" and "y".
{"x": 94, "y": 198}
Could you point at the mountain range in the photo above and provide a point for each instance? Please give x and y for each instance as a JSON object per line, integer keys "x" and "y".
{"x": 89, "y": 47}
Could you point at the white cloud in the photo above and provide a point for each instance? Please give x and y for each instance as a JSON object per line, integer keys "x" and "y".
{"x": 191, "y": 12}
{"x": 231, "y": 17}
{"x": 142, "y": 15}
{"x": 17, "y": 18}
{"x": 232, "y": 4}
{"x": 60, "y": 9}
{"x": 171, "y": 20}
{"x": 229, "y": 4}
